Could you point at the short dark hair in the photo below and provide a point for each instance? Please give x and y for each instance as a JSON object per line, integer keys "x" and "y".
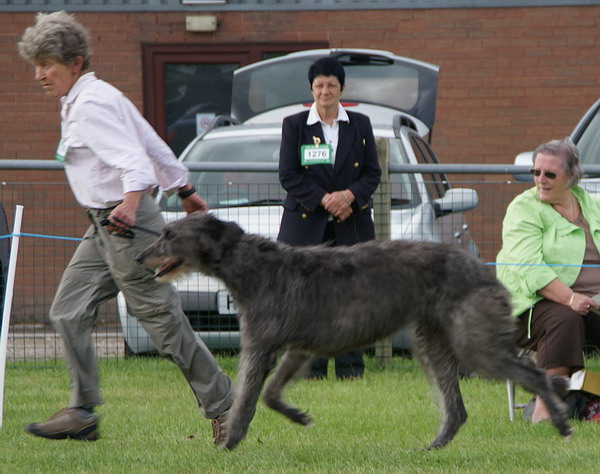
{"x": 327, "y": 67}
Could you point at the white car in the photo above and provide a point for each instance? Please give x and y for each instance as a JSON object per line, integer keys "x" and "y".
{"x": 586, "y": 135}
{"x": 398, "y": 94}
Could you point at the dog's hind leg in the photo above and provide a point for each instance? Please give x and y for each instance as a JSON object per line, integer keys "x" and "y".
{"x": 550, "y": 388}
{"x": 254, "y": 368}
{"x": 556, "y": 388}
{"x": 433, "y": 350}
{"x": 292, "y": 363}
{"x": 486, "y": 345}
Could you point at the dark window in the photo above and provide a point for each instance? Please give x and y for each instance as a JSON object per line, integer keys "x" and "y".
{"x": 187, "y": 85}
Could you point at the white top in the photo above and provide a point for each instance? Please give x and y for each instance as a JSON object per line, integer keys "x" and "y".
{"x": 331, "y": 133}
{"x": 111, "y": 148}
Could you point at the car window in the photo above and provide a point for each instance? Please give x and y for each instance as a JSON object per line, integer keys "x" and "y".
{"x": 234, "y": 188}
{"x": 589, "y": 142}
{"x": 377, "y": 78}
{"x": 374, "y": 84}
{"x": 436, "y": 183}
{"x": 403, "y": 185}
{"x": 243, "y": 188}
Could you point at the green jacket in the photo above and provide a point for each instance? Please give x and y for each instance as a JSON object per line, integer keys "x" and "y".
{"x": 535, "y": 238}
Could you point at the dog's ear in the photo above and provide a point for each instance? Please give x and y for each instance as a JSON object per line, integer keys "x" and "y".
{"x": 226, "y": 232}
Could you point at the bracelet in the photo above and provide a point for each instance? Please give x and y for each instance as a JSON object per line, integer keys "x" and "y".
{"x": 346, "y": 198}
{"x": 571, "y": 300}
{"x": 187, "y": 193}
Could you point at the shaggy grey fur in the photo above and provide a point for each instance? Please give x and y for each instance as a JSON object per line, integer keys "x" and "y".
{"x": 323, "y": 301}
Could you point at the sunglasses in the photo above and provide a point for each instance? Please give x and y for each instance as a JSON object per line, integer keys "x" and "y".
{"x": 547, "y": 174}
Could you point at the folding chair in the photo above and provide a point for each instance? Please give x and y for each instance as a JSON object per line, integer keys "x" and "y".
{"x": 510, "y": 387}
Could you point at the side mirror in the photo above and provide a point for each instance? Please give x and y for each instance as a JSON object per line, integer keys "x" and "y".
{"x": 524, "y": 159}
{"x": 456, "y": 200}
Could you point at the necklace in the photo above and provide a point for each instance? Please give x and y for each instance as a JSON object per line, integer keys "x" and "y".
{"x": 571, "y": 212}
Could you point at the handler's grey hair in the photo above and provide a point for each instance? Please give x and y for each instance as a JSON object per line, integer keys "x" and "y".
{"x": 566, "y": 150}
{"x": 57, "y": 36}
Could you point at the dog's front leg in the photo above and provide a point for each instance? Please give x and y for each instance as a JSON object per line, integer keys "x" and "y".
{"x": 254, "y": 369}
{"x": 292, "y": 364}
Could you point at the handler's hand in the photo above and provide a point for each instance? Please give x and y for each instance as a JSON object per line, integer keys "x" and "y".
{"x": 123, "y": 217}
{"x": 194, "y": 203}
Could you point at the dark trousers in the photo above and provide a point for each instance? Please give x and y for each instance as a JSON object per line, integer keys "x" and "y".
{"x": 348, "y": 365}
{"x": 558, "y": 334}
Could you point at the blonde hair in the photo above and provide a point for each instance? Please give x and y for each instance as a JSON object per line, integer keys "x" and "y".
{"x": 57, "y": 36}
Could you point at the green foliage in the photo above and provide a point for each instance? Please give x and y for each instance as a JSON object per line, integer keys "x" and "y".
{"x": 382, "y": 423}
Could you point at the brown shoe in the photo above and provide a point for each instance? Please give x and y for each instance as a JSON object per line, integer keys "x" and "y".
{"x": 219, "y": 428}
{"x": 73, "y": 423}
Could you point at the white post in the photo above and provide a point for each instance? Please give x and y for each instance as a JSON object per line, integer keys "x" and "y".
{"x": 8, "y": 296}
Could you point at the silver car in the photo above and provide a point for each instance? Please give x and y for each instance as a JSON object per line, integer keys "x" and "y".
{"x": 398, "y": 94}
{"x": 586, "y": 135}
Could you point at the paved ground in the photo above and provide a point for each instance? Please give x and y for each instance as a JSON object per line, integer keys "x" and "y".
{"x": 42, "y": 343}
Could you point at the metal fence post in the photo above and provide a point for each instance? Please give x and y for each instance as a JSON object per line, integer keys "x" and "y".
{"x": 382, "y": 204}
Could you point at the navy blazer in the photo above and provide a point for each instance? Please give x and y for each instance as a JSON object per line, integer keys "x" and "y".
{"x": 356, "y": 168}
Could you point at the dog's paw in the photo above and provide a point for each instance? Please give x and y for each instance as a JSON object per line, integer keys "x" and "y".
{"x": 306, "y": 419}
{"x": 298, "y": 416}
{"x": 229, "y": 444}
{"x": 569, "y": 434}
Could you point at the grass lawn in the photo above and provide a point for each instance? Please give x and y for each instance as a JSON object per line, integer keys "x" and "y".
{"x": 150, "y": 424}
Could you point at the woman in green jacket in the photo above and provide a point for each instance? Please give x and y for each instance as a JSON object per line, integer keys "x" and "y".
{"x": 550, "y": 263}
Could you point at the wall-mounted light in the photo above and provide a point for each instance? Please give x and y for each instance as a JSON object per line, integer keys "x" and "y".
{"x": 201, "y": 23}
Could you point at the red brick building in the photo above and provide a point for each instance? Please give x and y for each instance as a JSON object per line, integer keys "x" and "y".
{"x": 510, "y": 77}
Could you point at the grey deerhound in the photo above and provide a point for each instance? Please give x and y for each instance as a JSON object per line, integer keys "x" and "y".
{"x": 324, "y": 301}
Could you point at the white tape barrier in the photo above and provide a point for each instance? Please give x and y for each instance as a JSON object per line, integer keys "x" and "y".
{"x": 8, "y": 296}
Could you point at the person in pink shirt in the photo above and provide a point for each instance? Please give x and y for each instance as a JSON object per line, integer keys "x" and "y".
{"x": 114, "y": 161}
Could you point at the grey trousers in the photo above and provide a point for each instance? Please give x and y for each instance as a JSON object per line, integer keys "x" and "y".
{"x": 104, "y": 264}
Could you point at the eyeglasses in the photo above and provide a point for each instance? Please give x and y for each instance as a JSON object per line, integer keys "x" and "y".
{"x": 547, "y": 174}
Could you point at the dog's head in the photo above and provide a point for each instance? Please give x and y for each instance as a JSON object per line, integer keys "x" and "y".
{"x": 195, "y": 243}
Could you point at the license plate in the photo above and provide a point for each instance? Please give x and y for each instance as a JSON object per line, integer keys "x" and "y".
{"x": 225, "y": 303}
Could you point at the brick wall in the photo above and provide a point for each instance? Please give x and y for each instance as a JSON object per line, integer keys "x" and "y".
{"x": 510, "y": 77}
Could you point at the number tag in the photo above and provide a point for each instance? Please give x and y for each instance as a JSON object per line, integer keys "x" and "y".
{"x": 61, "y": 150}
{"x": 316, "y": 155}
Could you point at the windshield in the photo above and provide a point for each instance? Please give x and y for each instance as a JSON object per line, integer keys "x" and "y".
{"x": 244, "y": 188}
{"x": 234, "y": 188}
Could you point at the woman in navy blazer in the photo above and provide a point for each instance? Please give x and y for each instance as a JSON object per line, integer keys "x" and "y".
{"x": 328, "y": 201}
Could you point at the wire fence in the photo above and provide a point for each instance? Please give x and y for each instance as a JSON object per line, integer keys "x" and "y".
{"x": 52, "y": 226}
{"x": 53, "y": 223}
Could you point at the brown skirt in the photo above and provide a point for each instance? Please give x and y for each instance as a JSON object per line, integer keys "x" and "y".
{"x": 558, "y": 334}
